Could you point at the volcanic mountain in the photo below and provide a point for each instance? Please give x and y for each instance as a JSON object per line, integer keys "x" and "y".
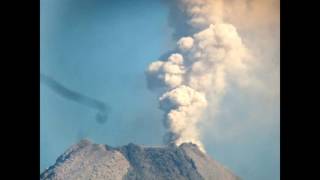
{"x": 89, "y": 161}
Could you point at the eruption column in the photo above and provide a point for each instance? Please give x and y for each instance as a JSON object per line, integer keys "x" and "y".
{"x": 199, "y": 73}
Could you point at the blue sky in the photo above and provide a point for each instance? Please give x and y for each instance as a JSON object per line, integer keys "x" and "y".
{"x": 101, "y": 48}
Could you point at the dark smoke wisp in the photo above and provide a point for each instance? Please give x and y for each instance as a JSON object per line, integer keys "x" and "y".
{"x": 103, "y": 109}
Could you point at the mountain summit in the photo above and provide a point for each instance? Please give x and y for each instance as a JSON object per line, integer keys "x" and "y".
{"x": 89, "y": 161}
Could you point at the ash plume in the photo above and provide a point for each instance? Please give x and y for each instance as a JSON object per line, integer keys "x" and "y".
{"x": 206, "y": 62}
{"x": 102, "y": 108}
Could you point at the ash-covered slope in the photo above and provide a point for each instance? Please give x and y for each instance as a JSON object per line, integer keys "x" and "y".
{"x": 86, "y": 160}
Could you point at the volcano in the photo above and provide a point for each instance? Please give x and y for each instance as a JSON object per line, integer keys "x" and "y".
{"x": 89, "y": 161}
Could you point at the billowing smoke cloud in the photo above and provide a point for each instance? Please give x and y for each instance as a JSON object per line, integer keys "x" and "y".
{"x": 102, "y": 108}
{"x": 207, "y": 62}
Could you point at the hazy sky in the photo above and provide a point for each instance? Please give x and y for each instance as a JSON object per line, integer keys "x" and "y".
{"x": 101, "y": 48}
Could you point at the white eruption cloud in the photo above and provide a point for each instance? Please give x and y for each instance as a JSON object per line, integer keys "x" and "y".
{"x": 169, "y": 73}
{"x": 205, "y": 65}
{"x": 184, "y": 106}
